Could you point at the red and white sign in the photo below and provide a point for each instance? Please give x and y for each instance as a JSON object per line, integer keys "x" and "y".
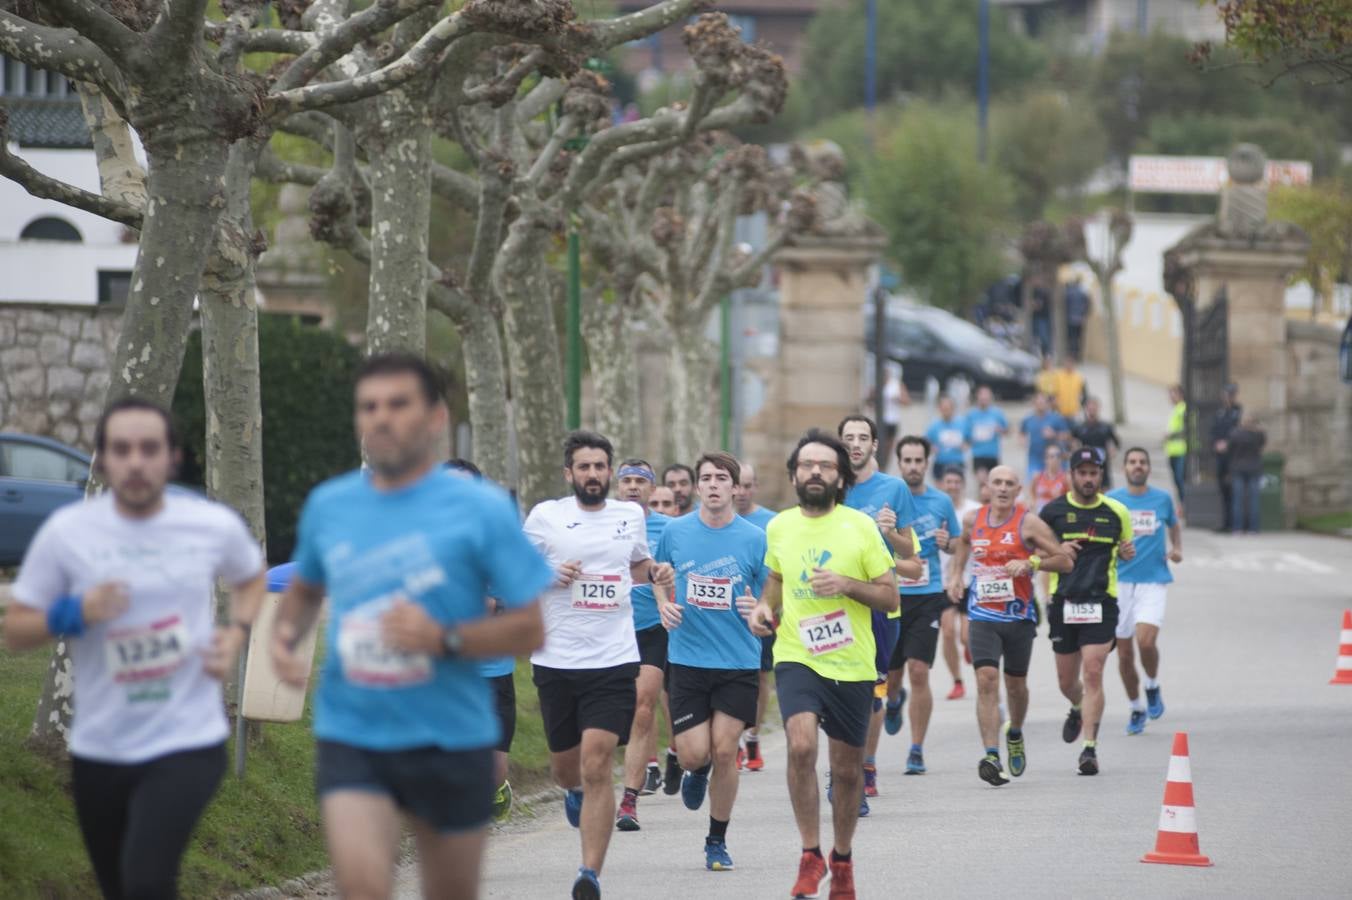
{"x": 1203, "y": 174}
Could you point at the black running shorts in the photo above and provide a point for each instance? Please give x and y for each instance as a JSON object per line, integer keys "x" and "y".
{"x": 1070, "y": 638}
{"x": 652, "y": 647}
{"x": 450, "y": 790}
{"x": 767, "y": 653}
{"x": 697, "y": 693}
{"x": 573, "y": 700}
{"x": 919, "y": 628}
{"x": 843, "y": 707}
{"x": 1011, "y": 641}
{"x": 504, "y": 697}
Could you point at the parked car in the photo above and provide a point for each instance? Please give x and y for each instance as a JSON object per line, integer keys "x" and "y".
{"x": 37, "y": 475}
{"x": 933, "y": 343}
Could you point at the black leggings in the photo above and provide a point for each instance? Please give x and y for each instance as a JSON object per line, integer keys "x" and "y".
{"x": 137, "y": 818}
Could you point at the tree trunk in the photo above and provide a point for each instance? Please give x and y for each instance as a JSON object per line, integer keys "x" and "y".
{"x": 1026, "y": 288}
{"x": 401, "y": 198}
{"x": 121, "y": 177}
{"x": 614, "y": 370}
{"x": 533, "y": 360}
{"x": 1115, "y": 378}
{"x": 691, "y": 395}
{"x": 183, "y": 190}
{"x": 1057, "y": 292}
{"x": 486, "y": 383}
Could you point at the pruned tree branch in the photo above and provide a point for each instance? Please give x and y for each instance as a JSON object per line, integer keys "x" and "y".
{"x": 98, "y": 26}
{"x": 61, "y": 50}
{"x": 338, "y": 40}
{"x": 613, "y": 32}
{"x": 176, "y": 33}
{"x": 263, "y": 40}
{"x": 48, "y": 188}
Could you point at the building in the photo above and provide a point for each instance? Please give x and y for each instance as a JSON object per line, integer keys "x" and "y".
{"x": 779, "y": 25}
{"x": 1095, "y": 20}
{"x": 50, "y": 252}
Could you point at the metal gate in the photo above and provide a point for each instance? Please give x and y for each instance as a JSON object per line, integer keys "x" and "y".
{"x": 1208, "y": 360}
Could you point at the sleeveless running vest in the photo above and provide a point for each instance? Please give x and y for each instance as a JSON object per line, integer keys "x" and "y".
{"x": 993, "y": 595}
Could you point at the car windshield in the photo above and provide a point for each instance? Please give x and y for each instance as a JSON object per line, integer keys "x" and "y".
{"x": 962, "y": 334}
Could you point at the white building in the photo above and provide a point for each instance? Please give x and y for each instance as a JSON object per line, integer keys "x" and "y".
{"x": 1095, "y": 20}
{"x": 50, "y": 252}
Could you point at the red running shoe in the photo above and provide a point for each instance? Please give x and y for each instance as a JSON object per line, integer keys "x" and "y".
{"x": 754, "y": 761}
{"x": 811, "y": 873}
{"x": 870, "y": 780}
{"x": 958, "y": 691}
{"x": 842, "y": 879}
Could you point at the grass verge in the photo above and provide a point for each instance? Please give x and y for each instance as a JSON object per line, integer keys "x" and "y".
{"x": 1332, "y": 523}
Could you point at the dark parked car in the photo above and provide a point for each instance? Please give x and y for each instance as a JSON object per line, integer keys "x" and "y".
{"x": 933, "y": 343}
{"x": 37, "y": 475}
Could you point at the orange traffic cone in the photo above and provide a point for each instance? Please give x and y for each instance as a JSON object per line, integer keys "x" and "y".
{"x": 1342, "y": 671}
{"x": 1176, "y": 842}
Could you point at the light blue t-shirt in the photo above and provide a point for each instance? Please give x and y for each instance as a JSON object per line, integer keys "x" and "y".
{"x": 947, "y": 438}
{"x": 714, "y": 566}
{"x": 641, "y": 597}
{"x": 933, "y": 510}
{"x": 1032, "y": 425}
{"x": 869, "y": 497}
{"x": 440, "y": 543}
{"x": 1152, "y": 515}
{"x": 761, "y": 517}
{"x": 983, "y": 431}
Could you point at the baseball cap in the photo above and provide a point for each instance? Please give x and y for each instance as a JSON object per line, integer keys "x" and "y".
{"x": 1086, "y": 456}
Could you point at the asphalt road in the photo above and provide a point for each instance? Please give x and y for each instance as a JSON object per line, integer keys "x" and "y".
{"x": 1248, "y": 648}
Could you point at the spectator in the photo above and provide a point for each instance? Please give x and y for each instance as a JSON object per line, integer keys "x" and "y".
{"x": 1223, "y": 424}
{"x": 895, "y": 397}
{"x": 1069, "y": 392}
{"x": 1042, "y": 319}
{"x": 1046, "y": 377}
{"x": 1246, "y": 471}
{"x": 1077, "y": 312}
{"x": 948, "y": 435}
{"x": 1176, "y": 439}
{"x": 1096, "y": 433}
{"x": 1041, "y": 427}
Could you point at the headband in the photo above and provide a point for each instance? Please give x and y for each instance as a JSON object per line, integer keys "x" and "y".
{"x": 638, "y": 471}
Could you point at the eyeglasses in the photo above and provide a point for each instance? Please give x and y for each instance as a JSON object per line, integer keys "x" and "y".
{"x": 825, "y": 467}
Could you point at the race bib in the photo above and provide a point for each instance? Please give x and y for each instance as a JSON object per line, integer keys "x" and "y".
{"x": 950, "y": 438}
{"x": 596, "y": 593}
{"x": 922, "y": 581}
{"x": 994, "y": 587}
{"x": 147, "y": 652}
{"x": 826, "y": 633}
{"x": 1082, "y": 613}
{"x": 370, "y": 662}
{"x": 1143, "y": 522}
{"x": 982, "y": 434}
{"x": 707, "y": 592}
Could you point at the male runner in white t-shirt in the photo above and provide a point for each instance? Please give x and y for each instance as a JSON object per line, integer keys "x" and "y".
{"x": 585, "y": 672}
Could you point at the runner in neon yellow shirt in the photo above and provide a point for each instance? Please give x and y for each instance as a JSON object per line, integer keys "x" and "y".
{"x": 828, "y": 570}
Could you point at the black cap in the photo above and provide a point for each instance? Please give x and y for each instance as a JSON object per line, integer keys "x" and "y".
{"x": 1086, "y": 456}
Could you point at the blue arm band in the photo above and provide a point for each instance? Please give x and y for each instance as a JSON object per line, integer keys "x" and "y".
{"x": 66, "y": 617}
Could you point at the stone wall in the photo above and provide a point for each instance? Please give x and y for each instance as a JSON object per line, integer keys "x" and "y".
{"x": 1317, "y": 424}
{"x": 54, "y": 369}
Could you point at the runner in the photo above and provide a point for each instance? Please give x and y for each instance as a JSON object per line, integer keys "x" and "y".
{"x": 1069, "y": 394}
{"x": 1142, "y": 584}
{"x": 1101, "y": 435}
{"x": 403, "y": 719}
{"x": 1051, "y": 480}
{"x": 948, "y": 436}
{"x": 1083, "y": 613}
{"x": 747, "y": 507}
{"x": 501, "y": 676}
{"x": 986, "y": 425}
{"x": 636, "y": 483}
{"x": 1005, "y": 545}
{"x": 715, "y": 659}
{"x": 587, "y": 669}
{"x": 886, "y": 500}
{"x": 923, "y": 600}
{"x": 126, "y": 581}
{"x": 1041, "y": 427}
{"x": 681, "y": 479}
{"x": 828, "y": 570}
{"x": 953, "y": 622}
{"x": 663, "y": 500}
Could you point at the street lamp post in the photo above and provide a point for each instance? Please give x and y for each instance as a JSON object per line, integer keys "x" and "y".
{"x": 983, "y": 86}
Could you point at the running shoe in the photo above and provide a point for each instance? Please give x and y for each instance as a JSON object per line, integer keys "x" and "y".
{"x": 863, "y": 808}
{"x": 842, "y": 879}
{"x": 754, "y": 761}
{"x": 991, "y": 771}
{"x": 1154, "y": 702}
{"x": 870, "y": 780}
{"x": 626, "y": 817}
{"x": 716, "y": 857}
{"x": 915, "y": 763}
{"x": 502, "y": 802}
{"x": 652, "y": 781}
{"x": 812, "y": 872}
{"x": 1088, "y": 761}
{"x": 1136, "y": 724}
{"x": 1018, "y": 758}
{"x": 958, "y": 691}
{"x": 892, "y": 717}
{"x": 671, "y": 778}
{"x": 587, "y": 886}
{"x": 693, "y": 788}
{"x": 1070, "y": 732}
{"x": 741, "y": 758}
{"x": 572, "y": 807}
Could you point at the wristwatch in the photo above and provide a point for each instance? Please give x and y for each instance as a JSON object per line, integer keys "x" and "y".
{"x": 1035, "y": 562}
{"x": 452, "y": 643}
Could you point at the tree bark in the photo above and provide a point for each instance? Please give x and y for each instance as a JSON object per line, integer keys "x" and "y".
{"x": 1116, "y": 383}
{"x": 486, "y": 383}
{"x": 401, "y": 196}
{"x": 691, "y": 394}
{"x": 121, "y": 177}
{"x": 606, "y": 326}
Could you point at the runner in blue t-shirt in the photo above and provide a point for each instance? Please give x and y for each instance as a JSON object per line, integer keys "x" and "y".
{"x": 744, "y": 498}
{"x": 986, "y": 424}
{"x": 1142, "y": 584}
{"x": 948, "y": 436}
{"x": 923, "y": 599}
{"x": 403, "y": 718}
{"x": 719, "y": 560}
{"x": 885, "y": 499}
{"x": 642, "y": 776}
{"x": 1039, "y": 428}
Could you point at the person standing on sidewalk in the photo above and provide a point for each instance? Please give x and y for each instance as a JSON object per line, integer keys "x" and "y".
{"x": 1246, "y": 472}
{"x": 1176, "y": 439}
{"x": 1223, "y": 425}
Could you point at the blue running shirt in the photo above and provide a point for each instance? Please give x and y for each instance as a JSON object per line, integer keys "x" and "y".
{"x": 440, "y": 543}
{"x": 933, "y": 510}
{"x": 947, "y": 436}
{"x": 761, "y": 517}
{"x": 1152, "y": 515}
{"x": 983, "y": 431}
{"x": 645, "y": 604}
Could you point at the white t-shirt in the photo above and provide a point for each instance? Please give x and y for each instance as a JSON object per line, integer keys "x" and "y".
{"x": 140, "y": 690}
{"x": 590, "y": 624}
{"x": 968, "y": 504}
{"x": 892, "y": 401}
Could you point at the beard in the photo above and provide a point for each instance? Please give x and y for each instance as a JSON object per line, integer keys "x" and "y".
{"x": 810, "y": 497}
{"x": 914, "y": 479}
{"x": 1137, "y": 480}
{"x": 592, "y": 491}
